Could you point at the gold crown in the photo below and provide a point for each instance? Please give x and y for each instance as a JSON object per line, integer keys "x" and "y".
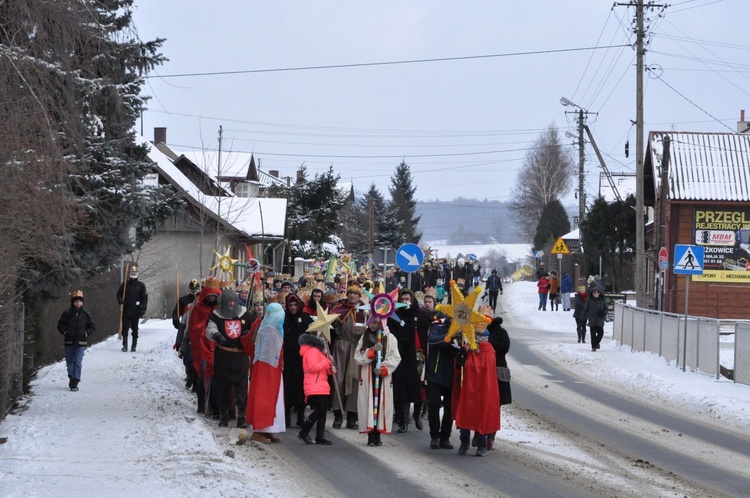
{"x": 430, "y": 291}
{"x": 354, "y": 287}
{"x": 212, "y": 282}
{"x": 244, "y": 286}
{"x": 460, "y": 281}
{"x": 76, "y": 294}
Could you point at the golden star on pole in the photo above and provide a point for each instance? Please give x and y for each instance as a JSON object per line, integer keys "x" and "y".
{"x": 323, "y": 323}
{"x": 463, "y": 315}
{"x": 225, "y": 264}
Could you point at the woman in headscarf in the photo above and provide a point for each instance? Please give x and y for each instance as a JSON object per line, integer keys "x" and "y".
{"x": 265, "y": 399}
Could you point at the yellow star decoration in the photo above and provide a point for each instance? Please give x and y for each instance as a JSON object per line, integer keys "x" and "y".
{"x": 323, "y": 323}
{"x": 225, "y": 264}
{"x": 463, "y": 314}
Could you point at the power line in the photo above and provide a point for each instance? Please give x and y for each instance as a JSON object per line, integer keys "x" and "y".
{"x": 385, "y": 63}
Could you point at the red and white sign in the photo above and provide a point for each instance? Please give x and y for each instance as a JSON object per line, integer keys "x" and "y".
{"x": 663, "y": 258}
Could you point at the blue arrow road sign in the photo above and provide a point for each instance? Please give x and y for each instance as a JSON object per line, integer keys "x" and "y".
{"x": 409, "y": 257}
{"x": 688, "y": 260}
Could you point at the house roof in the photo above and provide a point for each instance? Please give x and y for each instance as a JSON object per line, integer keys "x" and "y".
{"x": 702, "y": 166}
{"x": 238, "y": 165}
{"x": 241, "y": 213}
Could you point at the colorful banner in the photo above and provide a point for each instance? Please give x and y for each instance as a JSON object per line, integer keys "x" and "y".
{"x": 725, "y": 236}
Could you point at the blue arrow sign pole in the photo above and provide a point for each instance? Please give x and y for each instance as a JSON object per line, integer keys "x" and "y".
{"x": 684, "y": 332}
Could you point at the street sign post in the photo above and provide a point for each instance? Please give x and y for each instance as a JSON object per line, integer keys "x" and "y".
{"x": 663, "y": 259}
{"x": 560, "y": 247}
{"x": 688, "y": 260}
{"x": 409, "y": 257}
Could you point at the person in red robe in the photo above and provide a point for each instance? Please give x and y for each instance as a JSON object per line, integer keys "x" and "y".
{"x": 475, "y": 393}
{"x": 265, "y": 398}
{"x": 203, "y": 349}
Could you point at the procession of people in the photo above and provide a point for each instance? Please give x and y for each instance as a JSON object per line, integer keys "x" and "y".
{"x": 271, "y": 354}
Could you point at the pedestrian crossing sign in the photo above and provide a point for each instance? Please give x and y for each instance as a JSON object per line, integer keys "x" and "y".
{"x": 560, "y": 247}
{"x": 688, "y": 260}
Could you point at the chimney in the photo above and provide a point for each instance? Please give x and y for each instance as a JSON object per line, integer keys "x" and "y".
{"x": 274, "y": 173}
{"x": 742, "y": 125}
{"x": 160, "y": 135}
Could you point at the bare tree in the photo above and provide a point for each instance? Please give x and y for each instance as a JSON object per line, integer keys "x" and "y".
{"x": 547, "y": 174}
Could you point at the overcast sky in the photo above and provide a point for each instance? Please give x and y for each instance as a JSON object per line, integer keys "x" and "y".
{"x": 463, "y": 123}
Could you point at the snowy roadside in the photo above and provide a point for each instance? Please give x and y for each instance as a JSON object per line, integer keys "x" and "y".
{"x": 132, "y": 427}
{"x": 645, "y": 376}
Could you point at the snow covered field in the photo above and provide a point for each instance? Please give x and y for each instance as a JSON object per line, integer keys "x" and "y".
{"x": 132, "y": 426}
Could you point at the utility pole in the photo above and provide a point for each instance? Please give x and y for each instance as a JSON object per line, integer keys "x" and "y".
{"x": 640, "y": 289}
{"x": 371, "y": 217}
{"x": 640, "y": 238}
{"x": 581, "y": 160}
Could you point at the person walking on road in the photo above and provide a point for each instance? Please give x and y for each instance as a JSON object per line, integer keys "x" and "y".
{"x": 596, "y": 313}
{"x": 133, "y": 299}
{"x": 579, "y": 314}
{"x": 494, "y": 287}
{"x": 76, "y": 324}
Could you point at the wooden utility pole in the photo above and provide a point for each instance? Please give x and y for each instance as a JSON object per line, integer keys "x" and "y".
{"x": 581, "y": 175}
{"x": 371, "y": 217}
{"x": 640, "y": 238}
{"x": 640, "y": 289}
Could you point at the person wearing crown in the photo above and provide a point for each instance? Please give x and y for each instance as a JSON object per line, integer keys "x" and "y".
{"x": 76, "y": 324}
{"x": 202, "y": 348}
{"x": 133, "y": 299}
{"x": 346, "y": 332}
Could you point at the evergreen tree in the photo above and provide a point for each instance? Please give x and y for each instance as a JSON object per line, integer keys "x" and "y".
{"x": 313, "y": 210}
{"x": 387, "y": 229}
{"x": 72, "y": 72}
{"x": 403, "y": 203}
{"x": 354, "y": 227}
{"x": 554, "y": 223}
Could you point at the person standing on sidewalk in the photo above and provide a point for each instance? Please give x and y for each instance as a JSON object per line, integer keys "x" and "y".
{"x": 133, "y": 299}
{"x": 566, "y": 287}
{"x": 76, "y": 324}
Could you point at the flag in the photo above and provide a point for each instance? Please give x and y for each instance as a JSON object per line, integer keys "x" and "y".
{"x": 331, "y": 267}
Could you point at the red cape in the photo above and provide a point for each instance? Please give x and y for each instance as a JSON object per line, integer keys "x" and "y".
{"x": 476, "y": 401}
{"x": 203, "y": 349}
{"x": 265, "y": 382}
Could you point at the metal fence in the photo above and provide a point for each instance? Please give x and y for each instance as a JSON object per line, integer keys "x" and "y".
{"x": 691, "y": 342}
{"x": 11, "y": 357}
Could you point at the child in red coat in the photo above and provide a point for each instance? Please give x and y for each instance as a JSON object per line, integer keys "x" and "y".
{"x": 316, "y": 366}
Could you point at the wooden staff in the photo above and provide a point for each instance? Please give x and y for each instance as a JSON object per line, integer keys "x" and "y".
{"x": 335, "y": 382}
{"x": 122, "y": 306}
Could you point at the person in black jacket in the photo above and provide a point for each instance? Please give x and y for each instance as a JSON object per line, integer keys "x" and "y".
{"x": 494, "y": 286}
{"x": 76, "y": 324}
{"x": 132, "y": 297}
{"x": 441, "y": 357}
{"x": 180, "y": 323}
{"x": 501, "y": 343}
{"x": 596, "y": 313}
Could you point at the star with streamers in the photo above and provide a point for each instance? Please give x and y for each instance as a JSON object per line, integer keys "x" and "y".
{"x": 323, "y": 323}
{"x": 463, "y": 315}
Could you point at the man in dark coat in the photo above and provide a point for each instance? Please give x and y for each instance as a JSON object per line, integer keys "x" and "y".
{"x": 596, "y": 313}
{"x": 501, "y": 343}
{"x": 296, "y": 322}
{"x": 133, "y": 299}
{"x": 76, "y": 324}
{"x": 494, "y": 287}
{"x": 180, "y": 323}
{"x": 441, "y": 357}
{"x": 411, "y": 335}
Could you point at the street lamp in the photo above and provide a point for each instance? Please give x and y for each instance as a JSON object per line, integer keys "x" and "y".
{"x": 581, "y": 159}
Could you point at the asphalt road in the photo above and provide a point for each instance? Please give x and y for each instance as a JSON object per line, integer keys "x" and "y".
{"x": 654, "y": 451}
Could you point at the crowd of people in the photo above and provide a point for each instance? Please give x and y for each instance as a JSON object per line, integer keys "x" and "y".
{"x": 271, "y": 351}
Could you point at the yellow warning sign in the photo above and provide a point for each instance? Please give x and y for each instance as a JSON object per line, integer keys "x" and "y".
{"x": 560, "y": 247}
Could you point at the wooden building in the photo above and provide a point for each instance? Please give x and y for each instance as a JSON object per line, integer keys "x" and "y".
{"x": 699, "y": 185}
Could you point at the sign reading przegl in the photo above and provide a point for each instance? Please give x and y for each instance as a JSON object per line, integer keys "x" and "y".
{"x": 725, "y": 237}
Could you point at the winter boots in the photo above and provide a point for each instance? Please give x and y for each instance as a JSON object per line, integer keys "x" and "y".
{"x": 73, "y": 384}
{"x": 435, "y": 443}
{"x": 241, "y": 422}
{"x": 124, "y": 344}
{"x": 464, "y": 443}
{"x": 135, "y": 343}
{"x": 338, "y": 419}
{"x": 304, "y": 434}
{"x": 224, "y": 419}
